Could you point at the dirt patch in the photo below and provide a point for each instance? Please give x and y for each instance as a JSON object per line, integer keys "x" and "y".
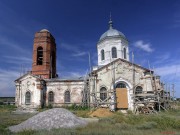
{"x": 101, "y": 112}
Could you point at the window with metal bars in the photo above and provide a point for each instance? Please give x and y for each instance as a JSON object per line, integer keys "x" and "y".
{"x": 103, "y": 93}
{"x": 139, "y": 90}
{"x": 120, "y": 85}
{"x": 51, "y": 97}
{"x": 28, "y": 98}
{"x": 67, "y": 97}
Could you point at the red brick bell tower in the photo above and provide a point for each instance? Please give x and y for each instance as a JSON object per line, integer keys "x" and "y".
{"x": 44, "y": 55}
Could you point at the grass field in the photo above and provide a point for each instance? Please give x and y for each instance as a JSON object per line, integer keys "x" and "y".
{"x": 117, "y": 124}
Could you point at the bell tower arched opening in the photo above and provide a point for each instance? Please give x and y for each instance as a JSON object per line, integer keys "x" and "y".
{"x": 40, "y": 56}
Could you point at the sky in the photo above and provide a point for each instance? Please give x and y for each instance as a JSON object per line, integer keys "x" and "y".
{"x": 151, "y": 26}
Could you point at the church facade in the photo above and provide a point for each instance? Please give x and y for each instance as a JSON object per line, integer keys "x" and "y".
{"x": 115, "y": 82}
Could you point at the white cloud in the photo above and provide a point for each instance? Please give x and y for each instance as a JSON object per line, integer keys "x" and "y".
{"x": 164, "y": 57}
{"x": 76, "y": 52}
{"x": 7, "y": 78}
{"x": 12, "y": 22}
{"x": 161, "y": 58}
{"x": 79, "y": 54}
{"x": 72, "y": 75}
{"x": 75, "y": 74}
{"x": 10, "y": 44}
{"x": 143, "y": 46}
{"x": 94, "y": 59}
{"x": 170, "y": 74}
{"x": 17, "y": 60}
{"x": 70, "y": 47}
{"x": 168, "y": 70}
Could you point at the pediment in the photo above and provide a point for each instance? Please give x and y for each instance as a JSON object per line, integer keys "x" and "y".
{"x": 27, "y": 77}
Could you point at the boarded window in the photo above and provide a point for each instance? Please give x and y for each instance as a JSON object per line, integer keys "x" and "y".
{"x": 67, "y": 97}
{"x": 102, "y": 55}
{"x": 114, "y": 52}
{"x": 139, "y": 90}
{"x": 124, "y": 53}
{"x": 39, "y": 56}
{"x": 28, "y": 98}
{"x": 120, "y": 85}
{"x": 51, "y": 97}
{"x": 103, "y": 93}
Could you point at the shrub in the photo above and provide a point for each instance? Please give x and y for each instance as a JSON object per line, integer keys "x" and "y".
{"x": 50, "y": 106}
{"x": 164, "y": 122}
{"x": 119, "y": 118}
{"x": 129, "y": 112}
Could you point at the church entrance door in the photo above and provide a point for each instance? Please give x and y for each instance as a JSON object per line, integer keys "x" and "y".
{"x": 121, "y": 96}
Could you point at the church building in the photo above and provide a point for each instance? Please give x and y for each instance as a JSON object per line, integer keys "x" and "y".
{"x": 115, "y": 82}
{"x": 42, "y": 87}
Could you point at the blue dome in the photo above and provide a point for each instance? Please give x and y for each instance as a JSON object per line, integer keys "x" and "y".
{"x": 112, "y": 32}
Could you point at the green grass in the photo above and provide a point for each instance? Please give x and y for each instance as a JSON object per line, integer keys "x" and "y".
{"x": 80, "y": 111}
{"x": 8, "y": 118}
{"x": 105, "y": 129}
{"x": 7, "y": 108}
{"x": 118, "y": 124}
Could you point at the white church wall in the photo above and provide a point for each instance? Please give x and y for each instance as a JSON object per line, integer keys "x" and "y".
{"x": 107, "y": 45}
{"x": 59, "y": 89}
{"x": 28, "y": 83}
{"x": 123, "y": 73}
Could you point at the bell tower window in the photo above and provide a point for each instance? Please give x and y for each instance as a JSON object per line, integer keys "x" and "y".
{"x": 102, "y": 54}
{"x": 114, "y": 52}
{"x": 39, "y": 56}
{"x": 124, "y": 53}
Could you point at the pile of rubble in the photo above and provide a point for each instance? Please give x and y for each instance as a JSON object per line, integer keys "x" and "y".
{"x": 53, "y": 118}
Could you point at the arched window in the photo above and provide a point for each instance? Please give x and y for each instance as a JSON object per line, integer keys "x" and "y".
{"x": 124, "y": 53}
{"x": 139, "y": 90}
{"x": 51, "y": 97}
{"x": 103, "y": 93}
{"x": 102, "y": 55}
{"x": 120, "y": 85}
{"x": 39, "y": 56}
{"x": 28, "y": 98}
{"x": 114, "y": 52}
{"x": 67, "y": 97}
